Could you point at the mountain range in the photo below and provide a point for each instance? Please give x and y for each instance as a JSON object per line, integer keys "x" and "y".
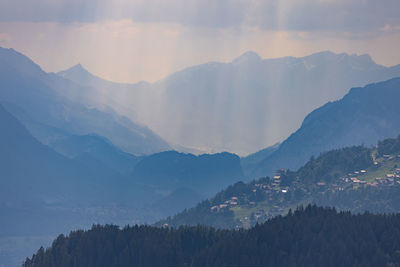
{"x": 239, "y": 106}
{"x": 86, "y": 179}
{"x": 69, "y": 158}
{"x": 362, "y": 117}
{"x": 46, "y": 102}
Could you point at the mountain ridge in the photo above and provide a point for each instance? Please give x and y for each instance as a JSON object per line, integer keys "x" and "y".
{"x": 230, "y": 106}
{"x": 363, "y": 116}
{"x": 55, "y": 101}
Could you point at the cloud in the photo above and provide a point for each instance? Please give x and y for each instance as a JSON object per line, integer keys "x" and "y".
{"x": 283, "y": 15}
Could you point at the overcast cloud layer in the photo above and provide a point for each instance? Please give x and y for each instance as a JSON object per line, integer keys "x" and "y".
{"x": 133, "y": 40}
{"x": 299, "y": 15}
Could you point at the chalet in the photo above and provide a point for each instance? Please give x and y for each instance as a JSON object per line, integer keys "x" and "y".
{"x": 221, "y": 206}
{"x": 214, "y": 208}
{"x": 280, "y": 172}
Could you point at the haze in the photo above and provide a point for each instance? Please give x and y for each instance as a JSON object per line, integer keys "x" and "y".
{"x": 130, "y": 41}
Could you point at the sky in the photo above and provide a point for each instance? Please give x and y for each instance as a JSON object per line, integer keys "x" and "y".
{"x": 130, "y": 41}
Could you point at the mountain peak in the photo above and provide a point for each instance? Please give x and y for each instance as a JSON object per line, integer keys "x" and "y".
{"x": 76, "y": 68}
{"x": 76, "y": 73}
{"x": 247, "y": 57}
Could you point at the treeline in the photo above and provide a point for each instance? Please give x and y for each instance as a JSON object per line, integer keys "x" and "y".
{"x": 311, "y": 236}
{"x": 389, "y": 146}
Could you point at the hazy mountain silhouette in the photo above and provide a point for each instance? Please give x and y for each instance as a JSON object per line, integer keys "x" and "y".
{"x": 43, "y": 192}
{"x": 97, "y": 148}
{"x": 60, "y": 103}
{"x": 206, "y": 174}
{"x": 240, "y": 106}
{"x": 364, "y": 116}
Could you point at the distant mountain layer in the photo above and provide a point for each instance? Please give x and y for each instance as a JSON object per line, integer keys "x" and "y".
{"x": 187, "y": 178}
{"x": 240, "y": 106}
{"x": 86, "y": 179}
{"x": 364, "y": 116}
{"x": 44, "y": 102}
{"x": 251, "y": 161}
{"x": 95, "y": 148}
{"x": 36, "y": 181}
{"x": 43, "y": 192}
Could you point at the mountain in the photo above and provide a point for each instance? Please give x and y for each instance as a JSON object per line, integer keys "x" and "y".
{"x": 80, "y": 180}
{"x": 362, "y": 117}
{"x": 239, "y": 106}
{"x": 54, "y": 102}
{"x": 251, "y": 161}
{"x": 43, "y": 193}
{"x": 178, "y": 200}
{"x": 310, "y": 236}
{"x": 354, "y": 178}
{"x": 94, "y": 147}
{"x": 80, "y": 75}
{"x": 186, "y": 178}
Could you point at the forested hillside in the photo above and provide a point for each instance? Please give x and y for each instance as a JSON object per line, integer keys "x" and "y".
{"x": 354, "y": 178}
{"x": 310, "y": 236}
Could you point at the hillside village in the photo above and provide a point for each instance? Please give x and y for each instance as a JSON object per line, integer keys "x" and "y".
{"x": 270, "y": 197}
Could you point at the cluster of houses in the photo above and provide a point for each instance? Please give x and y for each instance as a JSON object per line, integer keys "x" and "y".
{"x": 227, "y": 204}
{"x": 273, "y": 186}
{"x": 357, "y": 178}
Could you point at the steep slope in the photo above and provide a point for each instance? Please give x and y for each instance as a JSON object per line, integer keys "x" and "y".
{"x": 34, "y": 177}
{"x": 363, "y": 116}
{"x": 43, "y": 193}
{"x": 243, "y": 105}
{"x": 58, "y": 102}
